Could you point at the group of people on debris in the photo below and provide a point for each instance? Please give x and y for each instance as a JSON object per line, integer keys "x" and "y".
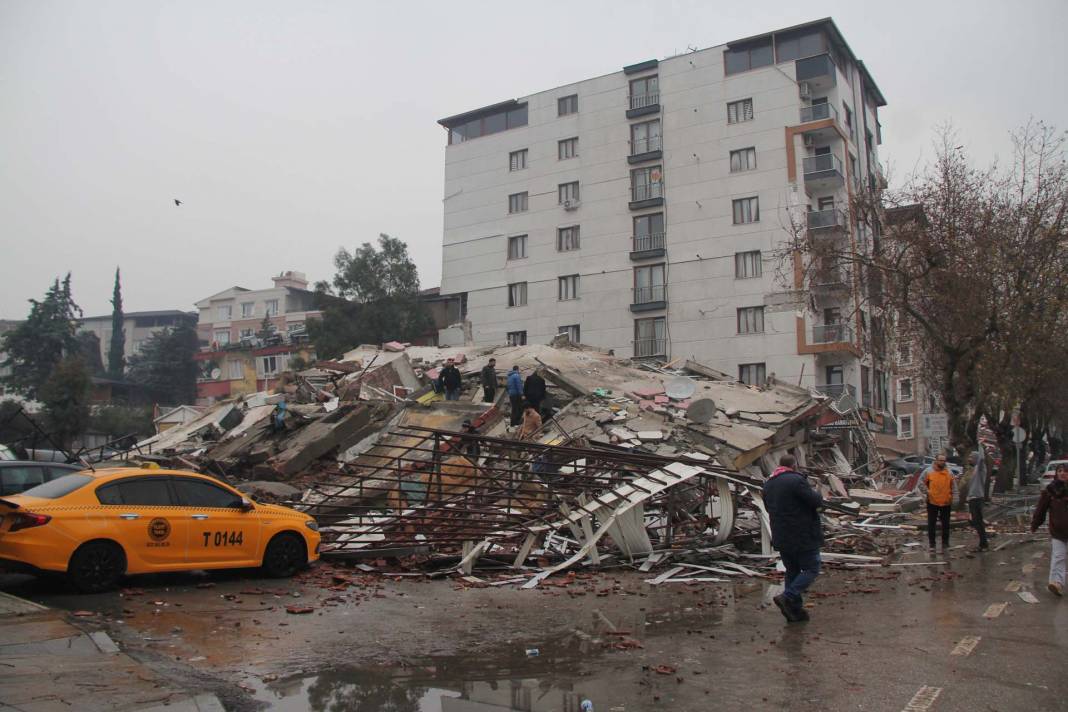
{"x": 793, "y": 507}
{"x": 526, "y": 397}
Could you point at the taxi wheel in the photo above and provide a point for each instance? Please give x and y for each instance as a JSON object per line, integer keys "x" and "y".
{"x": 97, "y": 566}
{"x": 285, "y": 555}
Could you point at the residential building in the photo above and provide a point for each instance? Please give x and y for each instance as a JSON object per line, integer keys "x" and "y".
{"x": 137, "y": 328}
{"x": 653, "y": 211}
{"x": 922, "y": 427}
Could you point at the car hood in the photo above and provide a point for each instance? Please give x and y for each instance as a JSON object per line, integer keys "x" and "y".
{"x": 278, "y": 510}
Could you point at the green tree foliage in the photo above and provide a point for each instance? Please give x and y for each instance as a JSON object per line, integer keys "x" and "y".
{"x": 37, "y": 345}
{"x": 375, "y": 299}
{"x": 165, "y": 367}
{"x": 89, "y": 350}
{"x": 65, "y": 396}
{"x": 119, "y": 421}
{"x": 117, "y": 349}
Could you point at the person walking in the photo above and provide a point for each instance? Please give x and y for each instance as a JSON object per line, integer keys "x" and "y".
{"x": 514, "y": 386}
{"x": 1054, "y": 501}
{"x": 793, "y": 507}
{"x": 976, "y": 495}
{"x": 489, "y": 381}
{"x": 534, "y": 390}
{"x": 939, "y": 488}
{"x": 451, "y": 380}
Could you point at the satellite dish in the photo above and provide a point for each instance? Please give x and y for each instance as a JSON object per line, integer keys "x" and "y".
{"x": 680, "y": 388}
{"x": 701, "y": 410}
{"x": 216, "y": 374}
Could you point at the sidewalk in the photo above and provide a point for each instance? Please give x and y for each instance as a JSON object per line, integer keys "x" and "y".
{"x": 50, "y": 664}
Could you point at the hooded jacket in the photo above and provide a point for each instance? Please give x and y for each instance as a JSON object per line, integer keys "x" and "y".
{"x": 793, "y": 509}
{"x": 514, "y": 384}
{"x": 939, "y": 487}
{"x": 1053, "y": 501}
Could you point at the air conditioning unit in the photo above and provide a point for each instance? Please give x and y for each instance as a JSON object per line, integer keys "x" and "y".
{"x": 810, "y": 141}
{"x": 570, "y": 204}
{"x": 805, "y": 89}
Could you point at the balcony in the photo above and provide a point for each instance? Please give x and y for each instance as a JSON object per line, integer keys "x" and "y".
{"x": 835, "y": 390}
{"x": 649, "y": 298}
{"x": 818, "y": 72}
{"x": 648, "y": 348}
{"x": 648, "y": 246}
{"x": 646, "y": 195}
{"x": 823, "y": 172}
{"x": 645, "y": 149}
{"x": 818, "y": 112}
{"x": 825, "y": 221}
{"x": 832, "y": 334}
{"x": 643, "y": 104}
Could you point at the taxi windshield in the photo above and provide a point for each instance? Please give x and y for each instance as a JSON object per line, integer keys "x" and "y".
{"x": 59, "y": 487}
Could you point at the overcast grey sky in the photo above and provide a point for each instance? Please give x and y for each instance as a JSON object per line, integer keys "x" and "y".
{"x": 291, "y": 129}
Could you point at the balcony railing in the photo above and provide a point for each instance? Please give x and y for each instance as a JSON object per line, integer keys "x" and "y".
{"x": 640, "y": 101}
{"x": 832, "y": 334}
{"x": 810, "y": 68}
{"x": 821, "y": 163}
{"x": 818, "y": 112}
{"x": 646, "y": 191}
{"x": 652, "y": 241}
{"x": 647, "y": 295}
{"x": 639, "y": 146}
{"x": 644, "y": 348}
{"x": 835, "y": 390}
{"x": 831, "y": 218}
{"x": 831, "y": 278}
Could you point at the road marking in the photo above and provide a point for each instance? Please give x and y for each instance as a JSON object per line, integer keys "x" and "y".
{"x": 995, "y": 609}
{"x": 1013, "y": 586}
{"x": 1027, "y": 597}
{"x": 966, "y": 645}
{"x": 923, "y": 699}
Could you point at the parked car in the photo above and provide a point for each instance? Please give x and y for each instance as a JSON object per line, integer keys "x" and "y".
{"x": 97, "y": 526}
{"x": 922, "y": 462}
{"x": 903, "y": 466}
{"x": 6, "y": 454}
{"x": 1050, "y": 471}
{"x": 17, "y": 476}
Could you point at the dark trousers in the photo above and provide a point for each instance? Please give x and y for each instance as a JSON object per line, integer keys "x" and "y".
{"x": 488, "y": 394}
{"x": 934, "y": 515}
{"x": 517, "y": 409}
{"x": 975, "y": 507}
{"x": 536, "y": 404}
{"x": 802, "y": 568}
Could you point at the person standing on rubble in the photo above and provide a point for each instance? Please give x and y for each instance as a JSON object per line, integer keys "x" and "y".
{"x": 531, "y": 424}
{"x": 1054, "y": 501}
{"x": 534, "y": 390}
{"x": 976, "y": 495}
{"x": 514, "y": 386}
{"x": 489, "y": 381}
{"x": 451, "y": 380}
{"x": 793, "y": 507}
{"x": 939, "y": 488}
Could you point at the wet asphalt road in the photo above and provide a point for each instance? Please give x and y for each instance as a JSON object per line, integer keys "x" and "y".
{"x": 877, "y": 636}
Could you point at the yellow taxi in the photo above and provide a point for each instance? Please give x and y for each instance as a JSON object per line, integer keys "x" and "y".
{"x": 97, "y": 526}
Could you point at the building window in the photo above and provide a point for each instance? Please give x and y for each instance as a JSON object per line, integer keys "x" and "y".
{"x": 750, "y": 56}
{"x": 650, "y": 284}
{"x": 743, "y": 160}
{"x": 568, "y": 193}
{"x": 269, "y": 366}
{"x": 649, "y": 232}
{"x": 650, "y": 337}
{"x": 247, "y": 309}
{"x": 222, "y": 337}
{"x": 571, "y": 331}
{"x": 739, "y": 111}
{"x": 517, "y": 338}
{"x": 751, "y": 320}
{"x": 294, "y": 326}
{"x": 567, "y": 238}
{"x": 904, "y": 427}
{"x": 746, "y": 210}
{"x": 646, "y": 183}
{"x": 865, "y": 386}
{"x": 223, "y": 312}
{"x": 247, "y": 333}
{"x": 567, "y": 105}
{"x": 644, "y": 92}
{"x": 904, "y": 390}
{"x": 568, "y": 148}
{"x": 645, "y": 137}
{"x": 567, "y": 287}
{"x": 747, "y": 265}
{"x": 271, "y": 307}
{"x": 752, "y": 374}
{"x": 517, "y": 294}
{"x": 517, "y": 202}
{"x": 235, "y": 370}
{"x": 489, "y": 124}
{"x": 517, "y": 247}
{"x": 904, "y": 354}
{"x": 517, "y": 160}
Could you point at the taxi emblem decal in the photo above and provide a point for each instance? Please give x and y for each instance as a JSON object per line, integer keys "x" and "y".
{"x": 159, "y": 529}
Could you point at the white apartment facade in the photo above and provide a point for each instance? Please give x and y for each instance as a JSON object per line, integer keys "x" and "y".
{"x": 649, "y": 211}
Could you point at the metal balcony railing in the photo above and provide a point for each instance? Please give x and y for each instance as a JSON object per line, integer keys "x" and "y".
{"x": 651, "y": 241}
{"x": 821, "y": 163}
{"x": 818, "y": 112}
{"x": 647, "y": 191}
{"x": 826, "y": 219}
{"x": 643, "y": 348}
{"x": 654, "y": 293}
{"x": 640, "y": 101}
{"x": 834, "y": 390}
{"x": 639, "y": 146}
{"x": 832, "y": 334}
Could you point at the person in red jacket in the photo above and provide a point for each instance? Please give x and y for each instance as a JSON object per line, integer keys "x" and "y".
{"x": 1054, "y": 501}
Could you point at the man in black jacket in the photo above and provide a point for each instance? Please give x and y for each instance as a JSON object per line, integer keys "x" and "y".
{"x": 489, "y": 381}
{"x": 793, "y": 507}
{"x": 451, "y": 380}
{"x": 534, "y": 390}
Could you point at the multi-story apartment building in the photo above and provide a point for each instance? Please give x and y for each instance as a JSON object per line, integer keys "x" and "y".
{"x": 137, "y": 328}
{"x": 652, "y": 211}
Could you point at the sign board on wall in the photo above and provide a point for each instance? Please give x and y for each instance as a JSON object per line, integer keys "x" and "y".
{"x": 934, "y": 425}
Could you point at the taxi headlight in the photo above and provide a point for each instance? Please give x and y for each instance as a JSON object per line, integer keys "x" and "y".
{"x": 312, "y": 524}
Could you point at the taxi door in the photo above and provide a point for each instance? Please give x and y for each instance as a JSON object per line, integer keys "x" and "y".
{"x": 221, "y": 532}
{"x": 142, "y": 512}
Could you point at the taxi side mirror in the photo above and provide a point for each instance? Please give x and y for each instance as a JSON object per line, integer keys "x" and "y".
{"x": 246, "y": 504}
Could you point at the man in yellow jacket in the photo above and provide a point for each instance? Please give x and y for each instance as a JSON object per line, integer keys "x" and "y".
{"x": 939, "y": 487}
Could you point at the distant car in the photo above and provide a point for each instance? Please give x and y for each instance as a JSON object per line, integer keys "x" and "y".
{"x": 903, "y": 465}
{"x": 17, "y": 476}
{"x": 922, "y": 462}
{"x": 1051, "y": 471}
{"x": 97, "y": 526}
